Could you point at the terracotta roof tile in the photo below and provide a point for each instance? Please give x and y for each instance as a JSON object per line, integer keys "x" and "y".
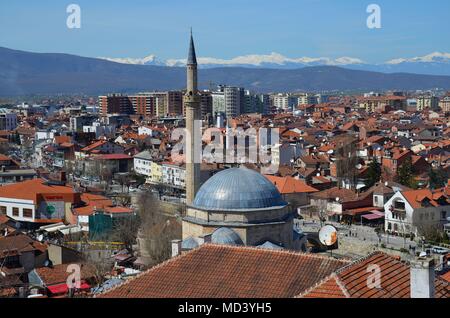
{"x": 287, "y": 185}
{"x": 58, "y": 273}
{"x": 395, "y": 280}
{"x": 28, "y": 190}
{"x": 219, "y": 271}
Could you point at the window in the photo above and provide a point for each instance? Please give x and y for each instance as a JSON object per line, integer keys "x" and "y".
{"x": 3, "y": 210}
{"x": 15, "y": 211}
{"x": 444, "y": 215}
{"x": 27, "y": 213}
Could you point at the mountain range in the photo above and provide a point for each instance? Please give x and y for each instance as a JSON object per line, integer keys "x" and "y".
{"x": 24, "y": 73}
{"x": 432, "y": 64}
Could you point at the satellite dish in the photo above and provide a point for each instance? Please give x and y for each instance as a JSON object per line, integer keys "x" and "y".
{"x": 328, "y": 235}
{"x": 40, "y": 238}
{"x": 359, "y": 166}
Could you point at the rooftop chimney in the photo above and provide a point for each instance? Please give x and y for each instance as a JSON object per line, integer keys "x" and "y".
{"x": 176, "y": 247}
{"x": 422, "y": 277}
{"x": 205, "y": 239}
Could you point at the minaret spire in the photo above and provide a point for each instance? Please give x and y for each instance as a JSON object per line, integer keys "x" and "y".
{"x": 192, "y": 58}
{"x": 193, "y": 126}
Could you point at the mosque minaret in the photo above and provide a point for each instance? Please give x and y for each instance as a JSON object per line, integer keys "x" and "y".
{"x": 193, "y": 127}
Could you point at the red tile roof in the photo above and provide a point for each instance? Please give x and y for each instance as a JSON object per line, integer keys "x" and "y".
{"x": 417, "y": 197}
{"x": 58, "y": 273}
{"x": 118, "y": 209}
{"x": 220, "y": 271}
{"x": 12, "y": 245}
{"x": 62, "y": 139}
{"x": 446, "y": 276}
{"x": 352, "y": 280}
{"x": 94, "y": 145}
{"x": 30, "y": 189}
{"x": 288, "y": 185}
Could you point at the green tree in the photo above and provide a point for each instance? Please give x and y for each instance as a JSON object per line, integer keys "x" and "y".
{"x": 373, "y": 173}
{"x": 437, "y": 178}
{"x": 405, "y": 174}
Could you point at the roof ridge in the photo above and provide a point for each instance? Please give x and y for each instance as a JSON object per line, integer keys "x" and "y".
{"x": 323, "y": 281}
{"x": 283, "y": 251}
{"x": 145, "y": 272}
{"x": 341, "y": 285}
{"x": 206, "y": 245}
{"x": 360, "y": 260}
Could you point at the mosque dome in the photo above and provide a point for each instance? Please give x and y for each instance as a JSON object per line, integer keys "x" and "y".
{"x": 226, "y": 236}
{"x": 238, "y": 189}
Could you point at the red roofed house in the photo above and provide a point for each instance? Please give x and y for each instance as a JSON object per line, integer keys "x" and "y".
{"x": 101, "y": 147}
{"x": 292, "y": 189}
{"x": 114, "y": 163}
{"x": 52, "y": 281}
{"x": 8, "y": 163}
{"x": 92, "y": 204}
{"x": 38, "y": 201}
{"x": 409, "y": 212}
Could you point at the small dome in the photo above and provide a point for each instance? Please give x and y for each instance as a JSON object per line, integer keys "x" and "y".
{"x": 189, "y": 244}
{"x": 238, "y": 189}
{"x": 226, "y": 236}
{"x": 270, "y": 246}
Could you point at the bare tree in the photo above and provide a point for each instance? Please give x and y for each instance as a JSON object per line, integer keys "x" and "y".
{"x": 126, "y": 231}
{"x": 157, "y": 229}
{"x": 433, "y": 233}
{"x": 123, "y": 199}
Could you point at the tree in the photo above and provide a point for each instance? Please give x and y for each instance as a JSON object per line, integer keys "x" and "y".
{"x": 433, "y": 233}
{"x": 157, "y": 230}
{"x": 373, "y": 173}
{"x": 437, "y": 178}
{"x": 405, "y": 174}
{"x": 126, "y": 230}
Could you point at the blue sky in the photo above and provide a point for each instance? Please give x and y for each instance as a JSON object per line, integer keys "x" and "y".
{"x": 228, "y": 28}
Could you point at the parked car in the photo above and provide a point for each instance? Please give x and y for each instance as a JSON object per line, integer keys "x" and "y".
{"x": 439, "y": 250}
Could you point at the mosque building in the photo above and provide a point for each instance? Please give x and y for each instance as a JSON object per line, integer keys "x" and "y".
{"x": 236, "y": 206}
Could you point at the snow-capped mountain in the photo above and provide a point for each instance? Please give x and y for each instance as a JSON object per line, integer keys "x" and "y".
{"x": 436, "y": 57}
{"x": 148, "y": 60}
{"x": 273, "y": 60}
{"x": 434, "y": 64}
